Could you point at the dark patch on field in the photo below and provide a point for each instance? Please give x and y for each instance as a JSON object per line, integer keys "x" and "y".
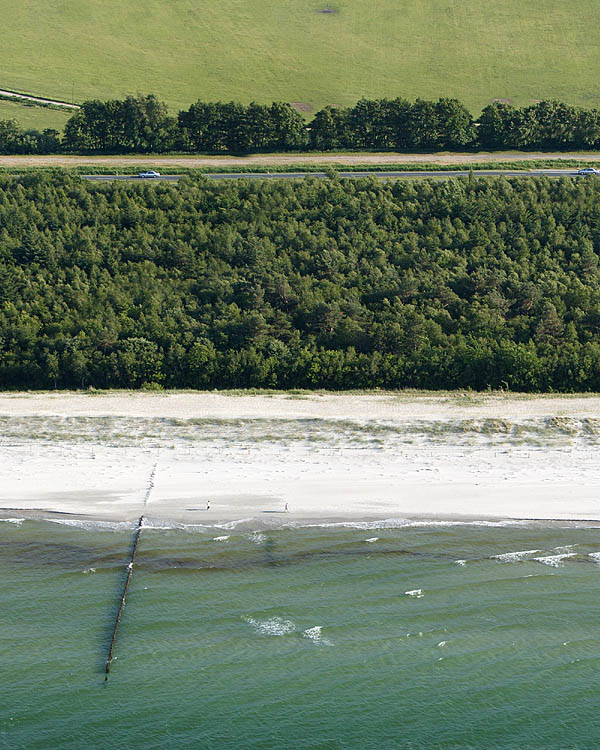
{"x": 302, "y": 106}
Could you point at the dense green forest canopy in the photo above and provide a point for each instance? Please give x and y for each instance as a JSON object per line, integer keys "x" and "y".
{"x": 320, "y": 283}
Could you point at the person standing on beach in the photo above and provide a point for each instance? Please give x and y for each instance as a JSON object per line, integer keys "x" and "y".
{"x": 208, "y": 505}
{"x": 286, "y": 508}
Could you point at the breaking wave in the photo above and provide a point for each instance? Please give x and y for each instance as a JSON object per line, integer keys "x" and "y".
{"x": 315, "y": 635}
{"x": 515, "y": 556}
{"x": 272, "y": 626}
{"x": 555, "y": 561}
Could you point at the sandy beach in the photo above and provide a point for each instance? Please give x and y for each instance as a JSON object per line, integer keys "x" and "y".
{"x": 329, "y": 457}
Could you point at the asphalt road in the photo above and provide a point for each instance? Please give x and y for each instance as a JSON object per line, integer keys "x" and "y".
{"x": 382, "y": 175}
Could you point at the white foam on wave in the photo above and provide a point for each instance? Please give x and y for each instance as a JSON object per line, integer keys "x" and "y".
{"x": 555, "y": 561}
{"x": 156, "y": 525}
{"x": 372, "y": 539}
{"x": 89, "y": 570}
{"x": 417, "y": 593}
{"x": 92, "y": 525}
{"x": 228, "y": 525}
{"x": 565, "y": 548}
{"x": 460, "y": 562}
{"x": 595, "y": 557}
{"x": 441, "y": 644}
{"x": 220, "y": 538}
{"x": 515, "y": 556}
{"x": 401, "y": 523}
{"x": 272, "y": 626}
{"x": 315, "y": 635}
{"x": 16, "y": 521}
{"x": 257, "y": 537}
{"x": 388, "y": 523}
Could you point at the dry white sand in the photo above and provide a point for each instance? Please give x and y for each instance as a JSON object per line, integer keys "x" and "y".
{"x": 117, "y": 456}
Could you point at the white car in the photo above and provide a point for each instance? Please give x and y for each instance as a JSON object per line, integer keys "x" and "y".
{"x": 588, "y": 171}
{"x": 149, "y": 173}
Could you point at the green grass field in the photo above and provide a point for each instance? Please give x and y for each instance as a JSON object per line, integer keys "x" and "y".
{"x": 183, "y": 50}
{"x": 33, "y": 117}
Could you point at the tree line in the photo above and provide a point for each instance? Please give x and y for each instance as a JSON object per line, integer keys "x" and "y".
{"x": 320, "y": 283}
{"x": 16, "y": 140}
{"x": 142, "y": 124}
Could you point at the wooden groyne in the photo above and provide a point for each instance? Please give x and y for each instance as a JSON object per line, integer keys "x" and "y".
{"x": 150, "y": 485}
{"x": 111, "y": 649}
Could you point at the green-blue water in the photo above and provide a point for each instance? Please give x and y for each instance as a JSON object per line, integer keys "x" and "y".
{"x": 301, "y": 638}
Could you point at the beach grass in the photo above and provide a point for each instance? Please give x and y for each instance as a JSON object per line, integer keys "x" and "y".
{"x": 319, "y": 433}
{"x": 310, "y": 53}
{"x": 464, "y": 397}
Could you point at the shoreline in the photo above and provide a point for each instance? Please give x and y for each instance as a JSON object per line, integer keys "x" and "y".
{"x": 218, "y": 525}
{"x": 332, "y": 458}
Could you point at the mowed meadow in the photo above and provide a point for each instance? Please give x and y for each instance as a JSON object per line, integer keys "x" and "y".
{"x": 291, "y": 50}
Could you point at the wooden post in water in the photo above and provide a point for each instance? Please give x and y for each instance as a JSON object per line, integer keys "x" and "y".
{"x": 123, "y": 595}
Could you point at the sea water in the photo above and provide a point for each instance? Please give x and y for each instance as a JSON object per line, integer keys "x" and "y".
{"x": 383, "y": 635}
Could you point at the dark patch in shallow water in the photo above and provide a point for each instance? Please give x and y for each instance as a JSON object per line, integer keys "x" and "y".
{"x": 213, "y": 565}
{"x": 60, "y": 554}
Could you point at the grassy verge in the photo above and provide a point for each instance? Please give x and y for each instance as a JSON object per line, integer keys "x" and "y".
{"x": 523, "y": 166}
